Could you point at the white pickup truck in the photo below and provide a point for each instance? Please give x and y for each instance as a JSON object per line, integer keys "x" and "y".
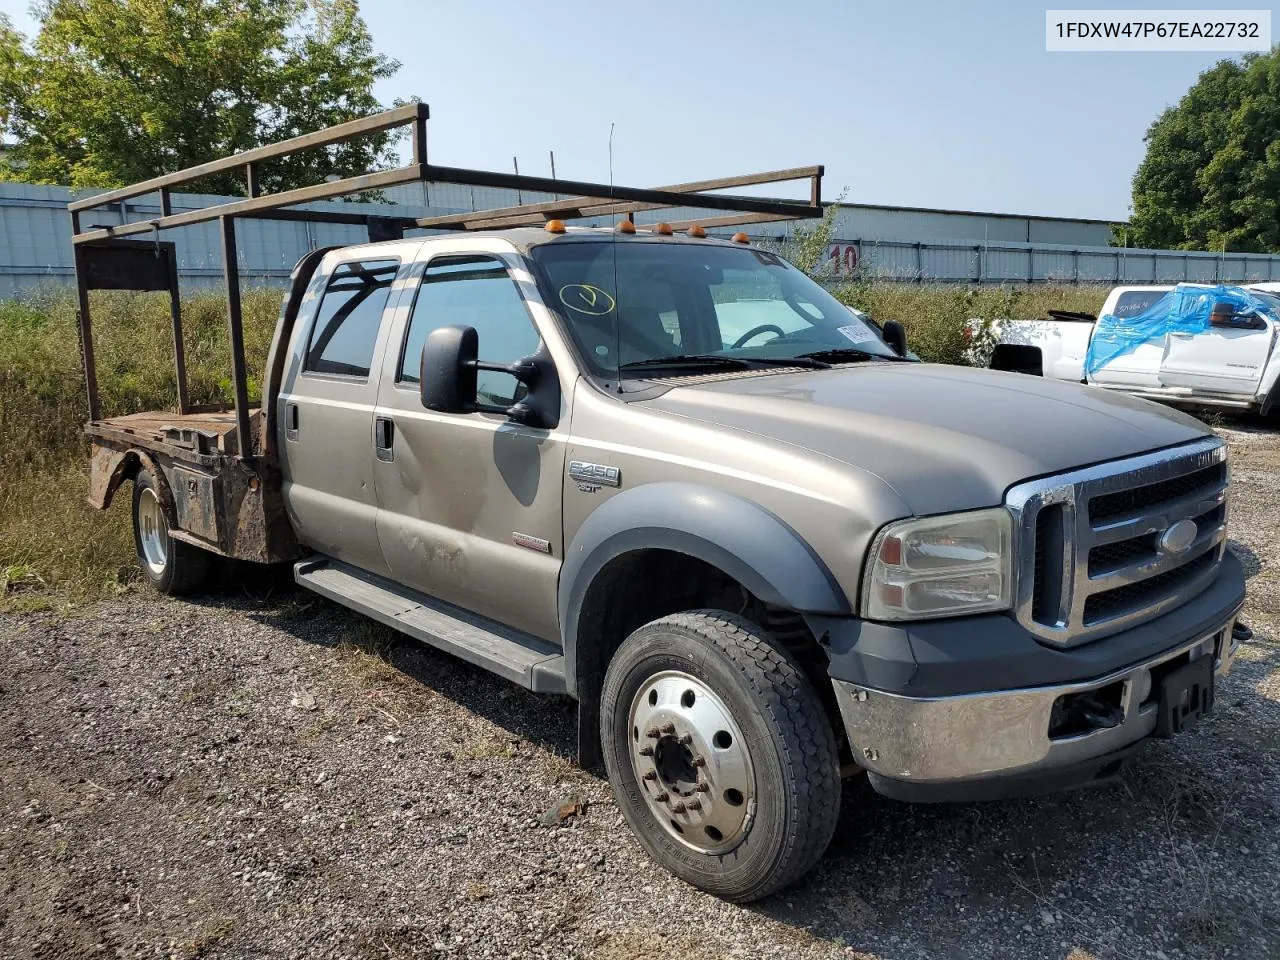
{"x": 1233, "y": 364}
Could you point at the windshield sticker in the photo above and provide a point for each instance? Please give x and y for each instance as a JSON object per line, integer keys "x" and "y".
{"x": 584, "y": 298}
{"x": 856, "y": 333}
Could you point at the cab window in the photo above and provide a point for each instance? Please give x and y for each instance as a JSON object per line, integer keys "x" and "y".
{"x": 1133, "y": 302}
{"x": 472, "y": 291}
{"x": 345, "y": 330}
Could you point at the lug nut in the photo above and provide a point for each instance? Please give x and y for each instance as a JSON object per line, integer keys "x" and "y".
{"x": 650, "y": 775}
{"x": 646, "y": 751}
{"x": 693, "y": 805}
{"x": 678, "y": 807}
{"x": 703, "y": 788}
{"x": 699, "y": 761}
{"x": 668, "y": 728}
{"x": 686, "y": 739}
{"x": 653, "y": 733}
{"x": 662, "y": 796}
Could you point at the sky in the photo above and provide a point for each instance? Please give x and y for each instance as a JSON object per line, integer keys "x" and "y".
{"x": 930, "y": 104}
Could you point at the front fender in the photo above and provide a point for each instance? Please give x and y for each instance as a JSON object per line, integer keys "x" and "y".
{"x": 739, "y": 537}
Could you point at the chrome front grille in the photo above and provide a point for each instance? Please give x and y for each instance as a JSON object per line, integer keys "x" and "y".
{"x": 1093, "y": 555}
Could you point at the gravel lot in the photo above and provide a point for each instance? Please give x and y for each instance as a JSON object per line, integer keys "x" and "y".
{"x": 261, "y": 774}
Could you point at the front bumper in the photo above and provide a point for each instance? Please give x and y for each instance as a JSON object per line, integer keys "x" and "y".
{"x": 1027, "y": 739}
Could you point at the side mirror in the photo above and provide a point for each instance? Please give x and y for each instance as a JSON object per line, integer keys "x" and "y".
{"x": 1224, "y": 315}
{"x": 895, "y": 335}
{"x": 447, "y": 383}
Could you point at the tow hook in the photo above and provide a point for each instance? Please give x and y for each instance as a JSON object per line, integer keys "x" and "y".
{"x": 1098, "y": 713}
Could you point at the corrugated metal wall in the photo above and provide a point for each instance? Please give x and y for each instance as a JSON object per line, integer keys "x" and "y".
{"x": 893, "y": 242}
{"x": 949, "y": 262}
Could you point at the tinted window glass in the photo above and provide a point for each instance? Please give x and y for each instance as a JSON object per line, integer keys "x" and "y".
{"x": 1136, "y": 301}
{"x": 478, "y": 292}
{"x": 346, "y": 325}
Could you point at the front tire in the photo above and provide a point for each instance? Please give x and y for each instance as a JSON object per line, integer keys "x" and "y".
{"x": 172, "y": 567}
{"x": 720, "y": 754}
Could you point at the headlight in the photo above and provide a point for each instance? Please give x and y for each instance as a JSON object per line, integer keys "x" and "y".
{"x": 940, "y": 567}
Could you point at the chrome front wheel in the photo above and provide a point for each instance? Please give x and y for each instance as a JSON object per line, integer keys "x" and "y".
{"x": 691, "y": 762}
{"x": 721, "y": 756}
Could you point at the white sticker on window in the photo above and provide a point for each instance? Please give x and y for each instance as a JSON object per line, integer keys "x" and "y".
{"x": 856, "y": 333}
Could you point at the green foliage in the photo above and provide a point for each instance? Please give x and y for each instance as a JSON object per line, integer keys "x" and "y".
{"x": 42, "y": 394}
{"x": 53, "y": 546}
{"x": 1211, "y": 176}
{"x": 937, "y": 317}
{"x": 111, "y": 92}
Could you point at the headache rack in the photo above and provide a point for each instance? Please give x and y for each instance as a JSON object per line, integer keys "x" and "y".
{"x": 105, "y": 260}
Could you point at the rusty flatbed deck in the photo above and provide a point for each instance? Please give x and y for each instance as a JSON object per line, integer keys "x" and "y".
{"x": 202, "y": 437}
{"x": 221, "y": 501}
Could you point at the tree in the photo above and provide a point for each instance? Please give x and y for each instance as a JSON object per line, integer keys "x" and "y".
{"x": 111, "y": 92}
{"x": 1211, "y": 176}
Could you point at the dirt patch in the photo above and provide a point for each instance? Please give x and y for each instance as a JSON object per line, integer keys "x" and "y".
{"x": 269, "y": 776}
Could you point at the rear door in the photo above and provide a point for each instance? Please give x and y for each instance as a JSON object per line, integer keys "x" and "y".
{"x": 1139, "y": 367}
{"x": 324, "y": 413}
{"x": 470, "y": 504}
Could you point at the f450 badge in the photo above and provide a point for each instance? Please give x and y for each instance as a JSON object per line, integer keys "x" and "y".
{"x": 590, "y": 477}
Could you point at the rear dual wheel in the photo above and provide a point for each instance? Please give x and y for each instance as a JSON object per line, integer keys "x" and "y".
{"x": 171, "y": 566}
{"x": 720, "y": 753}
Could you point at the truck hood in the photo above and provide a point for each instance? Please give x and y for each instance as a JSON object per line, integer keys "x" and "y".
{"x": 943, "y": 438}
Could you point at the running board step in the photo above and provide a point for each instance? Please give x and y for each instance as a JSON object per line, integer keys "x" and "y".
{"x": 520, "y": 657}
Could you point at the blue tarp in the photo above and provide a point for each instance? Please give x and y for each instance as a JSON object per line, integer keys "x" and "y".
{"x": 1184, "y": 309}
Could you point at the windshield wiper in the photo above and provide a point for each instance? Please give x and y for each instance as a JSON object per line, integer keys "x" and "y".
{"x": 719, "y": 360}
{"x": 807, "y": 360}
{"x": 689, "y": 360}
{"x": 846, "y": 355}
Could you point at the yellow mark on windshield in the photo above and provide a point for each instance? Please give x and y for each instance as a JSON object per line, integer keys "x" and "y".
{"x": 584, "y": 298}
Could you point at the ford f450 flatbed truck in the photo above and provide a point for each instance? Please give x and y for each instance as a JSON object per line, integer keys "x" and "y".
{"x": 673, "y": 478}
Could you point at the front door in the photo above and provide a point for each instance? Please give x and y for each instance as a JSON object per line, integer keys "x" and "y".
{"x": 1222, "y": 360}
{"x": 469, "y": 504}
{"x": 324, "y": 413}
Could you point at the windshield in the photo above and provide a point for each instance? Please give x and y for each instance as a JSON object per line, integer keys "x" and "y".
{"x": 667, "y": 300}
{"x": 1272, "y": 302}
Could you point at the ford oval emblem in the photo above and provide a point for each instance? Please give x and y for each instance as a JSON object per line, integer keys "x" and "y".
{"x": 1178, "y": 538}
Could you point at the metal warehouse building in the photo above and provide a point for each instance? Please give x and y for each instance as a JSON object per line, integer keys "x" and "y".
{"x": 900, "y": 243}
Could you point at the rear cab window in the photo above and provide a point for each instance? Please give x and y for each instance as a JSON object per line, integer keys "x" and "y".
{"x": 1133, "y": 302}
{"x": 344, "y": 333}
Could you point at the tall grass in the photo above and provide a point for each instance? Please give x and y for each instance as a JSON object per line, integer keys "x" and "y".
{"x": 54, "y": 548}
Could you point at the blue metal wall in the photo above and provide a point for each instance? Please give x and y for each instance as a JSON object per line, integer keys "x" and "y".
{"x": 893, "y": 242}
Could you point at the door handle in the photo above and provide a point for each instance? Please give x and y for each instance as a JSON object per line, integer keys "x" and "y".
{"x": 290, "y": 420}
{"x": 384, "y": 438}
